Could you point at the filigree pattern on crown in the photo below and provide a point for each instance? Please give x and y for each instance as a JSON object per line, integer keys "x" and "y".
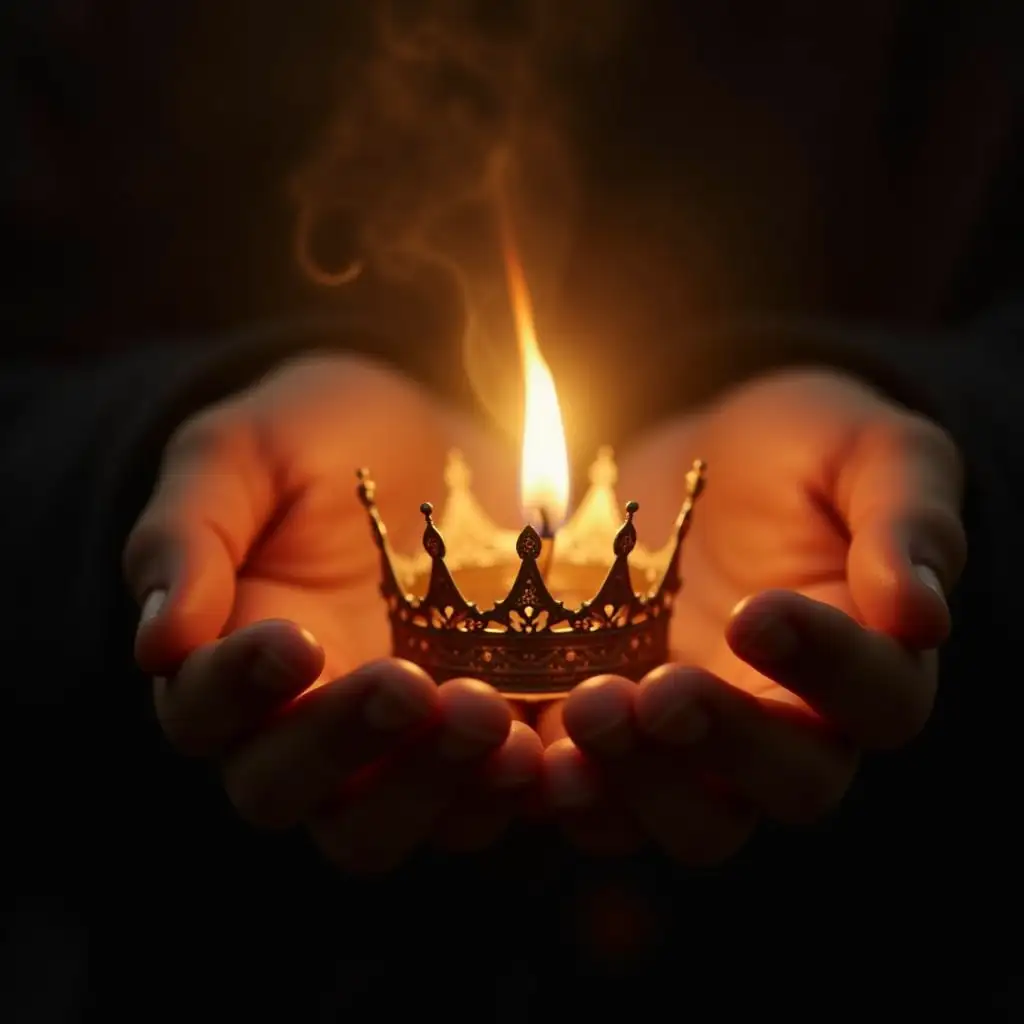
{"x": 529, "y": 644}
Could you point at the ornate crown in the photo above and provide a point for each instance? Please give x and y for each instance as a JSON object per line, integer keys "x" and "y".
{"x": 529, "y": 644}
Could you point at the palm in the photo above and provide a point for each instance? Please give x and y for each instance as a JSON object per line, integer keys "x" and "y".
{"x": 765, "y": 521}
{"x": 346, "y": 619}
{"x": 319, "y": 568}
{"x": 315, "y": 563}
{"x": 754, "y": 539}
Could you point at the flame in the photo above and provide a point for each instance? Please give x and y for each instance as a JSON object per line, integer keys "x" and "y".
{"x": 544, "y": 469}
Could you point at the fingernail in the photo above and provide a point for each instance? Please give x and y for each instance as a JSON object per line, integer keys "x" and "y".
{"x": 681, "y": 726}
{"x": 392, "y": 711}
{"x": 769, "y": 640}
{"x": 151, "y": 606}
{"x": 928, "y": 576}
{"x": 572, "y": 787}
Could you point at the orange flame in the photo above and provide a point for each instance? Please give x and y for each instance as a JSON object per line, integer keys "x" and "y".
{"x": 544, "y": 469}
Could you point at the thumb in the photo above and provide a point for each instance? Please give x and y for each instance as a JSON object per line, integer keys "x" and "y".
{"x": 213, "y": 497}
{"x": 900, "y": 496}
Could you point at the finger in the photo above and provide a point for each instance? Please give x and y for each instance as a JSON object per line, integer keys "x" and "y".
{"x": 776, "y": 757}
{"x": 662, "y": 791}
{"x": 689, "y": 822}
{"x": 588, "y": 815}
{"x": 863, "y": 682}
{"x": 380, "y": 821}
{"x": 214, "y": 496}
{"x": 479, "y": 817}
{"x": 900, "y": 494}
{"x": 226, "y": 689}
{"x": 280, "y": 775}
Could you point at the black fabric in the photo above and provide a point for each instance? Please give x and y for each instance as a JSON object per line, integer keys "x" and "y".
{"x": 185, "y": 911}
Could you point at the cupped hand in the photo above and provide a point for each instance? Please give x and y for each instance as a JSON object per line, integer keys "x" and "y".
{"x": 264, "y": 630}
{"x": 815, "y": 576}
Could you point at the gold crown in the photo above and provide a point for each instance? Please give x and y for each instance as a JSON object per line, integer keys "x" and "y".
{"x": 529, "y": 644}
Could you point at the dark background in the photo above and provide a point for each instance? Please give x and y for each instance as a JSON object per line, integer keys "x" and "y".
{"x": 858, "y": 160}
{"x": 855, "y": 162}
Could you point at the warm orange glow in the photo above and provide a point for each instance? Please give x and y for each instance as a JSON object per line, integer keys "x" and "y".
{"x": 544, "y": 469}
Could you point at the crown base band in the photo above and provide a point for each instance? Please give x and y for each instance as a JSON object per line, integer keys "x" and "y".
{"x": 529, "y": 645}
{"x": 536, "y": 666}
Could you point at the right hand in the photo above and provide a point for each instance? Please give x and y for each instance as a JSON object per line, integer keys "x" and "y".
{"x": 265, "y": 633}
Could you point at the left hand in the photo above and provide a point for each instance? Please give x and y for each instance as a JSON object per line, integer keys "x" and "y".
{"x": 814, "y": 598}
{"x": 265, "y": 635}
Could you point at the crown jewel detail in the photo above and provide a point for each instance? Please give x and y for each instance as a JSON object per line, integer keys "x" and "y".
{"x": 528, "y": 643}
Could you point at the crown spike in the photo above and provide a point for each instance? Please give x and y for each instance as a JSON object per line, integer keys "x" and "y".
{"x": 625, "y": 539}
{"x": 443, "y": 602}
{"x": 529, "y": 545}
{"x": 529, "y": 644}
{"x": 615, "y": 601}
{"x": 695, "y": 479}
{"x": 433, "y": 542}
{"x": 529, "y": 606}
{"x": 366, "y": 486}
{"x": 390, "y": 589}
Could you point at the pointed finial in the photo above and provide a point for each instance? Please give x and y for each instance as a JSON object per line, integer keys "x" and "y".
{"x": 529, "y": 544}
{"x": 433, "y": 542}
{"x": 695, "y": 478}
{"x": 367, "y": 489}
{"x": 625, "y": 539}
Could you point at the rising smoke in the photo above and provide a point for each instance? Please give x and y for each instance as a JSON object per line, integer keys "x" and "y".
{"x": 442, "y": 91}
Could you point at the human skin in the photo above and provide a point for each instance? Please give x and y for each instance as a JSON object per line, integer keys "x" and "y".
{"x": 815, "y": 576}
{"x": 815, "y": 573}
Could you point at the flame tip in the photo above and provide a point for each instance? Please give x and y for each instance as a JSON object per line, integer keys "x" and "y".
{"x": 544, "y": 471}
